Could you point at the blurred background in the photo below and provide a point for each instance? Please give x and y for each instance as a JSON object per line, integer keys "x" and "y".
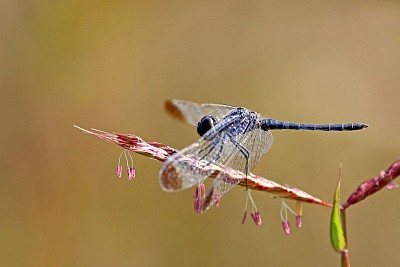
{"x": 111, "y": 65}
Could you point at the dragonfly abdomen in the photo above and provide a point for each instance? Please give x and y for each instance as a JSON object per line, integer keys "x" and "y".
{"x": 270, "y": 124}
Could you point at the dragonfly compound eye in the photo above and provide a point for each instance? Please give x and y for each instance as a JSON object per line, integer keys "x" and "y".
{"x": 205, "y": 124}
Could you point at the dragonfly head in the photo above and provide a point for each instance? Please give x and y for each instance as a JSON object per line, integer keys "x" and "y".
{"x": 205, "y": 124}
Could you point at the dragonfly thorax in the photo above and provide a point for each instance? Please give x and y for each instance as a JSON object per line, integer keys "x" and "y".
{"x": 205, "y": 124}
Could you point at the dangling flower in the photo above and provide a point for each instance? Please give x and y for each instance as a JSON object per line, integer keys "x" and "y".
{"x": 131, "y": 173}
{"x": 255, "y": 215}
{"x": 286, "y": 227}
{"x": 119, "y": 171}
{"x": 199, "y": 194}
{"x": 299, "y": 213}
{"x": 217, "y": 198}
{"x": 244, "y": 217}
{"x": 130, "y": 169}
{"x": 284, "y": 217}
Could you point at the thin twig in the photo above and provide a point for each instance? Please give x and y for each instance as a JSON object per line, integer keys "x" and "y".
{"x": 161, "y": 152}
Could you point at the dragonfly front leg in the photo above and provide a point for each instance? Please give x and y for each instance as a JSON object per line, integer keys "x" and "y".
{"x": 217, "y": 156}
{"x": 210, "y": 148}
{"x": 212, "y": 145}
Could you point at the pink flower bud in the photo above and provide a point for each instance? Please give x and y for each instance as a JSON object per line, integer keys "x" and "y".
{"x": 244, "y": 217}
{"x": 299, "y": 211}
{"x": 200, "y": 191}
{"x": 256, "y": 217}
{"x": 286, "y": 227}
{"x": 198, "y": 205}
{"x": 298, "y": 221}
{"x": 217, "y": 199}
{"x": 119, "y": 171}
{"x": 131, "y": 173}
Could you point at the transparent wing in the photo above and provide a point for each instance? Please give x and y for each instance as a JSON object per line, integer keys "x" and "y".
{"x": 192, "y": 112}
{"x": 192, "y": 164}
{"x": 185, "y": 168}
{"x": 257, "y": 143}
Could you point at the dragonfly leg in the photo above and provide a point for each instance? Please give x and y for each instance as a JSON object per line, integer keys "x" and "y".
{"x": 212, "y": 145}
{"x": 210, "y": 148}
{"x": 217, "y": 156}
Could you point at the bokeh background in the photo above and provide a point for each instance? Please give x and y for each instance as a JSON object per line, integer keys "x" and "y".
{"x": 111, "y": 65}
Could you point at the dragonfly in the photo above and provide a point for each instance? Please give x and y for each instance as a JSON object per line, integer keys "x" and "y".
{"x": 231, "y": 137}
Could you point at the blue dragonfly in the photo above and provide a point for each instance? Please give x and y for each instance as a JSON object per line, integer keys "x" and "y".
{"x": 230, "y": 137}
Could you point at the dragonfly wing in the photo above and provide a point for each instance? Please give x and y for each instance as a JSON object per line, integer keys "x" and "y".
{"x": 192, "y": 164}
{"x": 218, "y": 147}
{"x": 256, "y": 143}
{"x": 192, "y": 112}
{"x": 185, "y": 168}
